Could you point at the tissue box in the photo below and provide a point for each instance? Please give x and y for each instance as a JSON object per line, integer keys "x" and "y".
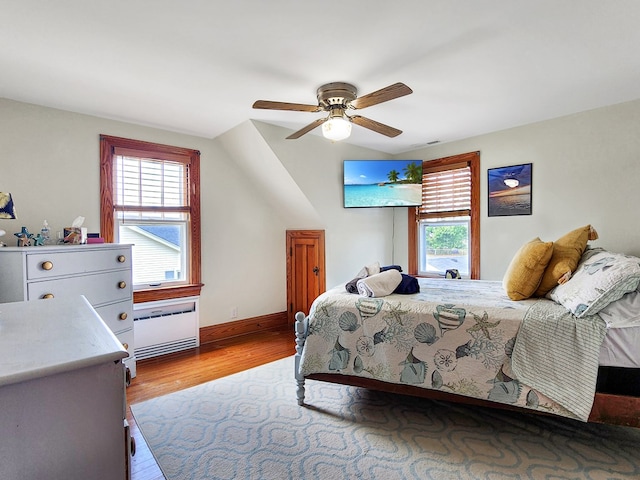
{"x": 75, "y": 235}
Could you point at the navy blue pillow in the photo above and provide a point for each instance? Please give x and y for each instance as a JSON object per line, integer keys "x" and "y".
{"x": 408, "y": 285}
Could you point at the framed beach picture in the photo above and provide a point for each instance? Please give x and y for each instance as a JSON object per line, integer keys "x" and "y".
{"x": 510, "y": 190}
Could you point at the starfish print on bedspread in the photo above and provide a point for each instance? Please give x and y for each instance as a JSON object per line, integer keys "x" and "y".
{"x": 482, "y": 323}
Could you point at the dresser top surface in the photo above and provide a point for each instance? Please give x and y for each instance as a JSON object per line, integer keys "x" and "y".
{"x": 46, "y": 337}
{"x": 64, "y": 248}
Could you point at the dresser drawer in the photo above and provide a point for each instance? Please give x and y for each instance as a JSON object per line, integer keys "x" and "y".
{"x": 126, "y": 338}
{"x": 113, "y": 316}
{"x": 55, "y": 264}
{"x": 100, "y": 288}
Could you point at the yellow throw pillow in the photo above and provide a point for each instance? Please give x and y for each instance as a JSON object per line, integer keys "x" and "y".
{"x": 567, "y": 251}
{"x": 526, "y": 268}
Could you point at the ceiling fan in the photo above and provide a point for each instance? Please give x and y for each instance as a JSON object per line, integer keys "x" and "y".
{"x": 336, "y": 98}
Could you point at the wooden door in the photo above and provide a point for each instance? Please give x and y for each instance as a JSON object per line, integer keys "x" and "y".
{"x": 305, "y": 270}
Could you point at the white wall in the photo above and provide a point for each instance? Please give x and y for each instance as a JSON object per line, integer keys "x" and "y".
{"x": 586, "y": 170}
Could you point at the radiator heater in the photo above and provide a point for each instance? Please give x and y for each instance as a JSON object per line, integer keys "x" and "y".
{"x": 165, "y": 326}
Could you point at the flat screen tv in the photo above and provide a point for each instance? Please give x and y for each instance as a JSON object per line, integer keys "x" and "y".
{"x": 382, "y": 183}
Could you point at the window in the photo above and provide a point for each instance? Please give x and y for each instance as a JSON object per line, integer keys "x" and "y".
{"x": 150, "y": 197}
{"x": 445, "y": 245}
{"x": 444, "y": 233}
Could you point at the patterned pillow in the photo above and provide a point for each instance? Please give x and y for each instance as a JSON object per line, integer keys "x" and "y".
{"x": 601, "y": 278}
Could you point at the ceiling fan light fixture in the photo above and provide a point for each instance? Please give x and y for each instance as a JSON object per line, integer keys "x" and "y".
{"x": 335, "y": 98}
{"x": 336, "y": 128}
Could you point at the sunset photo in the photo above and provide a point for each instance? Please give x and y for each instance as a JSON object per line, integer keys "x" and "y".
{"x": 510, "y": 190}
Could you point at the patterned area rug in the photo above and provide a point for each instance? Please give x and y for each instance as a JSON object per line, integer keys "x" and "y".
{"x": 249, "y": 426}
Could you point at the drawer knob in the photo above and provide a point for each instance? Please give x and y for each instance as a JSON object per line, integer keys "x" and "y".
{"x": 122, "y": 285}
{"x": 123, "y": 316}
{"x": 47, "y": 295}
{"x": 125, "y": 345}
{"x": 121, "y": 258}
{"x": 47, "y": 265}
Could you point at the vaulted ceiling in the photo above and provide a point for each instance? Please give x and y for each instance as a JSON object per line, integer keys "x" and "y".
{"x": 197, "y": 66}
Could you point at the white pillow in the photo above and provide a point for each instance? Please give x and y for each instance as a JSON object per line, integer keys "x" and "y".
{"x": 600, "y": 278}
{"x": 624, "y": 312}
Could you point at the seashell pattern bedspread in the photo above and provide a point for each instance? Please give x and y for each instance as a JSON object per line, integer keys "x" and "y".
{"x": 455, "y": 335}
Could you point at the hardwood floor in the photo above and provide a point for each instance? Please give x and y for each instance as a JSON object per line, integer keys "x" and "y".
{"x": 170, "y": 373}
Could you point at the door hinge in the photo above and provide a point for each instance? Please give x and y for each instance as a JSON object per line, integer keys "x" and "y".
{"x": 291, "y": 308}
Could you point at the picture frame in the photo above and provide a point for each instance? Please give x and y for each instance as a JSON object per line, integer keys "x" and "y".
{"x": 509, "y": 190}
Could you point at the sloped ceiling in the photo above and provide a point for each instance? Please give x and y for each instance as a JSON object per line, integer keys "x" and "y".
{"x": 197, "y": 66}
{"x": 245, "y": 144}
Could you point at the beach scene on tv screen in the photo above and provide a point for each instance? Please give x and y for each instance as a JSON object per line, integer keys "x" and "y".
{"x": 382, "y": 183}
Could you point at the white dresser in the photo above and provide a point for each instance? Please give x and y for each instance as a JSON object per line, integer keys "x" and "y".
{"x": 62, "y": 393}
{"x": 100, "y": 272}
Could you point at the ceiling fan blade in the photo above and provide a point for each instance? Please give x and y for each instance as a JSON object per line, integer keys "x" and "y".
{"x": 307, "y": 129}
{"x": 296, "y": 107}
{"x": 383, "y": 95}
{"x": 375, "y": 126}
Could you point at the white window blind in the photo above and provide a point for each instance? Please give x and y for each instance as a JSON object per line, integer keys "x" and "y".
{"x": 446, "y": 192}
{"x": 152, "y": 188}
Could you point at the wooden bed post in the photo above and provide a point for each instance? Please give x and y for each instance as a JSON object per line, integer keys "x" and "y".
{"x": 301, "y": 334}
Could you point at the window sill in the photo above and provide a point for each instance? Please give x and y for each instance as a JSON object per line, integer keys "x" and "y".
{"x": 166, "y": 293}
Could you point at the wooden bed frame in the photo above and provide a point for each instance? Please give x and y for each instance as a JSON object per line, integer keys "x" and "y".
{"x": 609, "y": 408}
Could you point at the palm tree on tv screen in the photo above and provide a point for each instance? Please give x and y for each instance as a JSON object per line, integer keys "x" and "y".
{"x": 393, "y": 176}
{"x": 413, "y": 172}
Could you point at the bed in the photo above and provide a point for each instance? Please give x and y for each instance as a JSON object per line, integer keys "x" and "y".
{"x": 573, "y": 353}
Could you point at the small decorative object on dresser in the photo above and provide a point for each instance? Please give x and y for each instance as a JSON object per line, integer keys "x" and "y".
{"x": 38, "y": 240}
{"x": 24, "y": 237}
{"x": 45, "y": 234}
